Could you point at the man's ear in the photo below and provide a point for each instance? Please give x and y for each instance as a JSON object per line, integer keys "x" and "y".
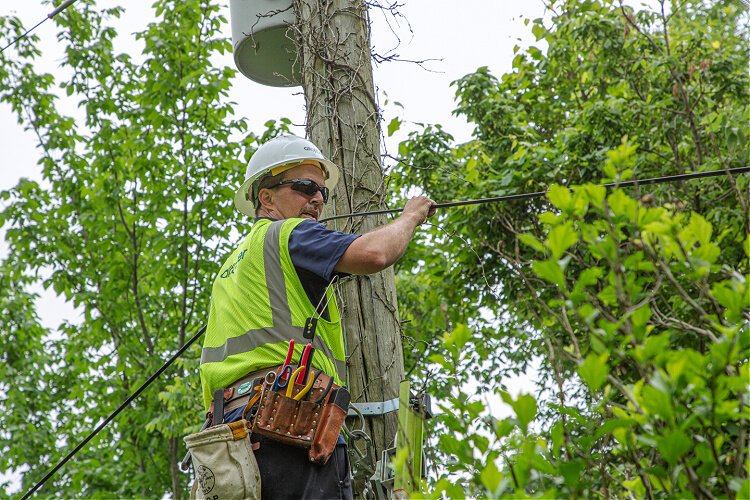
{"x": 265, "y": 197}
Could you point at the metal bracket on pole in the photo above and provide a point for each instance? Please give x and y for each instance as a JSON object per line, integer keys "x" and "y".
{"x": 373, "y": 408}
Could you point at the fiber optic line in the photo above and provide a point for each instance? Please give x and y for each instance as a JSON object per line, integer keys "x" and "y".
{"x": 537, "y": 194}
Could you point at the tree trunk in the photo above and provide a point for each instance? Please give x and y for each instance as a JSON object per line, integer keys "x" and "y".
{"x": 344, "y": 121}
{"x": 174, "y": 468}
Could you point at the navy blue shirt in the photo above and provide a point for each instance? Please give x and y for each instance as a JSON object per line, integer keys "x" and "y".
{"x": 315, "y": 250}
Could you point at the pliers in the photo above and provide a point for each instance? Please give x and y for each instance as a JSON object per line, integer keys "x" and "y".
{"x": 310, "y": 380}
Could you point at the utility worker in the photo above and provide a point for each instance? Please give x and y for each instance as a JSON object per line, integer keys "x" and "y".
{"x": 272, "y": 283}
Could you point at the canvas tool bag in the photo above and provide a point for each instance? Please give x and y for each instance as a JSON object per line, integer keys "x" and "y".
{"x": 313, "y": 423}
{"x": 225, "y": 466}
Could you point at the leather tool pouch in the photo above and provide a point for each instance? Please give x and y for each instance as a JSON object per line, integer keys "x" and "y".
{"x": 324, "y": 442}
{"x": 308, "y": 423}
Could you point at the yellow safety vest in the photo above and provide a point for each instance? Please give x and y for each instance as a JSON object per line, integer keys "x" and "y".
{"x": 257, "y": 305}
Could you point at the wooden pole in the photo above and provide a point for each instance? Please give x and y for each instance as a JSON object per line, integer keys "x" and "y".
{"x": 343, "y": 120}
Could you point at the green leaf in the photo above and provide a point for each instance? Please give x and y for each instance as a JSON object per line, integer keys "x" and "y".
{"x": 612, "y": 424}
{"x": 525, "y": 408}
{"x": 697, "y": 231}
{"x": 640, "y": 316}
{"x": 504, "y": 427}
{"x": 636, "y": 486}
{"x": 441, "y": 360}
{"x": 557, "y": 435}
{"x": 588, "y": 278}
{"x": 571, "y": 471}
{"x": 742, "y": 487}
{"x": 732, "y": 295}
{"x": 491, "y": 477}
{"x": 639, "y": 319}
{"x": 559, "y": 196}
{"x": 531, "y": 241}
{"x": 548, "y": 218}
{"x": 551, "y": 271}
{"x": 595, "y": 194}
{"x": 657, "y": 402}
{"x": 393, "y": 126}
{"x": 593, "y": 371}
{"x": 538, "y": 29}
{"x": 622, "y": 204}
{"x": 561, "y": 238}
{"x": 674, "y": 445}
{"x": 458, "y": 336}
{"x": 654, "y": 344}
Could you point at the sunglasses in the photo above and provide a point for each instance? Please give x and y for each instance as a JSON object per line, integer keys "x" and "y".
{"x": 305, "y": 186}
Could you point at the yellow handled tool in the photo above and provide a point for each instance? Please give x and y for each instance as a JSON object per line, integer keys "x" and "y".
{"x": 305, "y": 390}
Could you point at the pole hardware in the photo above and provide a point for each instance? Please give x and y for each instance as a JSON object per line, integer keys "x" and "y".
{"x": 380, "y": 485}
{"x": 421, "y": 404}
{"x": 373, "y": 408}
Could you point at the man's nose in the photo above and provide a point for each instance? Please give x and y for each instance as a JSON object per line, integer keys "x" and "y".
{"x": 318, "y": 197}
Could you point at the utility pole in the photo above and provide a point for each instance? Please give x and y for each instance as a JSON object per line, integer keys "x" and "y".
{"x": 343, "y": 119}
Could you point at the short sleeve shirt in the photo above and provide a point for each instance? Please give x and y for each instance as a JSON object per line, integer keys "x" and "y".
{"x": 315, "y": 251}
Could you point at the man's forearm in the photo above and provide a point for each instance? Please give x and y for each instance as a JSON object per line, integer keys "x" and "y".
{"x": 381, "y": 248}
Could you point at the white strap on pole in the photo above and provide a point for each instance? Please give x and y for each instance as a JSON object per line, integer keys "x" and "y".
{"x": 373, "y": 408}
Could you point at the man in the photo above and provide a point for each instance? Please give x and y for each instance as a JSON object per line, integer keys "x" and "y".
{"x": 277, "y": 278}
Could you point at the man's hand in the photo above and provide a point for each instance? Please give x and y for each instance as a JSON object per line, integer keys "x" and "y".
{"x": 421, "y": 206}
{"x": 378, "y": 249}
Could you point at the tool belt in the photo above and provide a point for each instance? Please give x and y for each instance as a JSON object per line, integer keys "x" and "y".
{"x": 222, "y": 454}
{"x": 312, "y": 422}
{"x": 239, "y": 393}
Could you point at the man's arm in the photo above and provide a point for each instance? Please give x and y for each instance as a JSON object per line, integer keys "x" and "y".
{"x": 378, "y": 249}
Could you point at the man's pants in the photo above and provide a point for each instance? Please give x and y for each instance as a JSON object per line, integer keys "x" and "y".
{"x": 286, "y": 471}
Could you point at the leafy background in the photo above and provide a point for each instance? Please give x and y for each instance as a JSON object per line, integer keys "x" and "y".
{"x": 635, "y": 302}
{"x": 630, "y": 305}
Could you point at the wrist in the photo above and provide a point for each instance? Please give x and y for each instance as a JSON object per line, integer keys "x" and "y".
{"x": 415, "y": 218}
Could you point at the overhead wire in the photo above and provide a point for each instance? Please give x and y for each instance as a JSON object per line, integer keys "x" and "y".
{"x": 62, "y": 7}
{"x": 537, "y": 194}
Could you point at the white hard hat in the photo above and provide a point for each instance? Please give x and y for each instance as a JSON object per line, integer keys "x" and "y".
{"x": 283, "y": 151}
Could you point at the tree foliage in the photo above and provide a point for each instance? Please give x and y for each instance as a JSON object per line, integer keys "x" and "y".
{"x": 128, "y": 225}
{"x": 635, "y": 302}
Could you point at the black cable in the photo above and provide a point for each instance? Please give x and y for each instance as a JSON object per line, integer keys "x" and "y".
{"x": 115, "y": 413}
{"x": 52, "y": 14}
{"x": 636, "y": 182}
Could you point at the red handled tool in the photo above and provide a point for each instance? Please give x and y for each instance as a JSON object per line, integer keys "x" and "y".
{"x": 306, "y": 362}
{"x": 288, "y": 360}
{"x": 290, "y": 352}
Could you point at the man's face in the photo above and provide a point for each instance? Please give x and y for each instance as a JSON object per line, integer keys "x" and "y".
{"x": 286, "y": 203}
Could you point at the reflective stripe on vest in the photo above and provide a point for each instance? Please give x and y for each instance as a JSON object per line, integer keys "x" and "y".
{"x": 282, "y": 328}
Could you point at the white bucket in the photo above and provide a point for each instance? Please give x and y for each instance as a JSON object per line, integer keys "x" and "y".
{"x": 263, "y": 45}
